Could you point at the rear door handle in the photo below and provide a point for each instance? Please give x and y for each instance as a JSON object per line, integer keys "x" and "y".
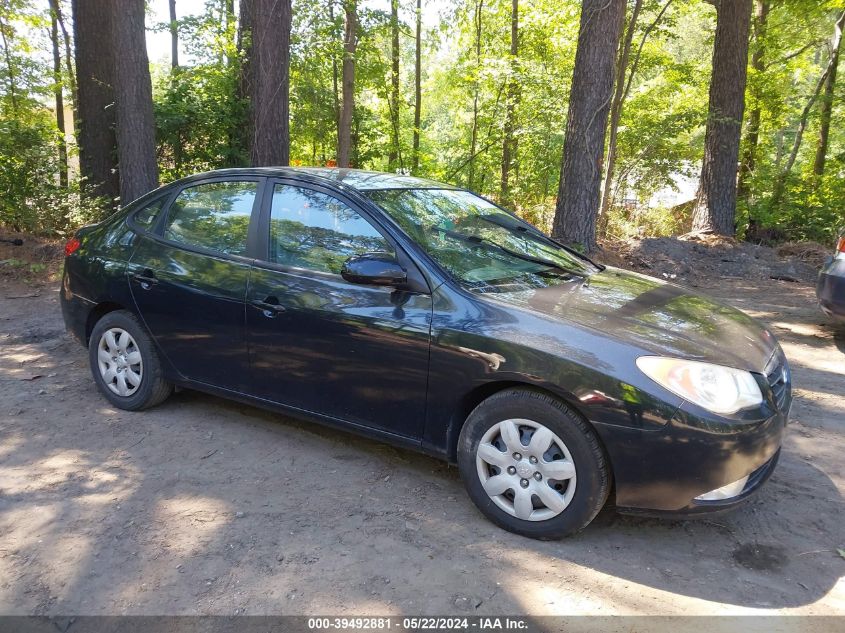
{"x": 146, "y": 279}
{"x": 269, "y": 306}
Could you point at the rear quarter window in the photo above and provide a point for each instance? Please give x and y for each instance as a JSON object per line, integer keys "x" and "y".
{"x": 145, "y": 218}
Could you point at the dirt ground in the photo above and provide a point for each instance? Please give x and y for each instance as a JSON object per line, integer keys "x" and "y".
{"x": 202, "y": 506}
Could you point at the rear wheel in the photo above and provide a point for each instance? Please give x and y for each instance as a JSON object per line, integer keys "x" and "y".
{"x": 125, "y": 364}
{"x": 532, "y": 465}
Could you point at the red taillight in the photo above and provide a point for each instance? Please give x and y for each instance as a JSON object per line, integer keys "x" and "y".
{"x": 72, "y": 246}
{"x": 840, "y": 245}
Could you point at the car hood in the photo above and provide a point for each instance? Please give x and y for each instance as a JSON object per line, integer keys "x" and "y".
{"x": 660, "y": 317}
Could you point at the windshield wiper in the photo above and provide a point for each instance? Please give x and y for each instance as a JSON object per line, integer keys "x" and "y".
{"x": 536, "y": 233}
{"x": 483, "y": 241}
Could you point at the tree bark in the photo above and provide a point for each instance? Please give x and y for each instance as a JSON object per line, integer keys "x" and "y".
{"x": 335, "y": 73}
{"x": 826, "y": 109}
{"x": 589, "y": 102}
{"x": 94, "y": 55}
{"x": 752, "y": 135}
{"x": 71, "y": 78}
{"x": 616, "y": 105}
{"x": 269, "y": 67}
{"x": 240, "y": 131}
{"x": 510, "y": 143}
{"x": 58, "y": 96}
{"x": 394, "y": 157}
{"x": 473, "y": 144}
{"x": 10, "y": 68}
{"x": 136, "y": 148}
{"x": 229, "y": 20}
{"x": 174, "y": 68}
{"x": 174, "y": 37}
{"x": 715, "y": 206}
{"x": 344, "y": 136}
{"x": 415, "y": 164}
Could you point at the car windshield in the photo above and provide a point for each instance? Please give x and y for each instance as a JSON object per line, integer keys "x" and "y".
{"x": 486, "y": 248}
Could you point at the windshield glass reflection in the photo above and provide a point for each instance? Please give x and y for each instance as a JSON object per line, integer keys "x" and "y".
{"x": 486, "y": 248}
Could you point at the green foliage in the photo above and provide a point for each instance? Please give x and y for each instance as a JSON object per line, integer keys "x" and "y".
{"x": 796, "y": 49}
{"x": 201, "y": 121}
{"x": 199, "y": 116}
{"x": 33, "y": 201}
{"x": 654, "y": 221}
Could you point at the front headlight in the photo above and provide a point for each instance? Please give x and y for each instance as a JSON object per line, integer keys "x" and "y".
{"x": 716, "y": 388}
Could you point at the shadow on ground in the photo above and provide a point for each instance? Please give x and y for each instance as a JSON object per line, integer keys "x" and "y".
{"x": 208, "y": 506}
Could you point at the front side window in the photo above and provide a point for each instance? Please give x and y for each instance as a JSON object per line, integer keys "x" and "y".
{"x": 315, "y": 231}
{"x": 213, "y": 215}
{"x": 486, "y": 248}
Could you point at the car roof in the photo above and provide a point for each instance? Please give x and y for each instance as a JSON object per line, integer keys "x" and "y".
{"x": 359, "y": 179}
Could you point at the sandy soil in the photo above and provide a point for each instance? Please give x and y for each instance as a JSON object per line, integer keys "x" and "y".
{"x": 202, "y": 506}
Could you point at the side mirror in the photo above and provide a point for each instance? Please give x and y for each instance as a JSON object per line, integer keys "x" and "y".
{"x": 374, "y": 269}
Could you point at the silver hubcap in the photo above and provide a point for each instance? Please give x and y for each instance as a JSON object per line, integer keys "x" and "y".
{"x": 526, "y": 469}
{"x": 119, "y": 361}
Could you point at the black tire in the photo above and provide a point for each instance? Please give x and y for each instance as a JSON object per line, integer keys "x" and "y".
{"x": 592, "y": 472}
{"x": 153, "y": 389}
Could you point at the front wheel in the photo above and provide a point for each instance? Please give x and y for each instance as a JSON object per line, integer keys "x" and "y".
{"x": 124, "y": 363}
{"x": 532, "y": 465}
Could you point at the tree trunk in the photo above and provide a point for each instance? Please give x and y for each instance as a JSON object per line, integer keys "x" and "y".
{"x": 57, "y": 93}
{"x": 415, "y": 164}
{"x": 269, "y": 67}
{"x": 473, "y": 144}
{"x": 227, "y": 16}
{"x": 589, "y": 102}
{"x": 174, "y": 37}
{"x": 752, "y": 135}
{"x": 240, "y": 130}
{"x": 827, "y": 100}
{"x": 395, "y": 153}
{"x": 136, "y": 147}
{"x": 94, "y": 53}
{"x": 174, "y": 68}
{"x": 780, "y": 182}
{"x": 10, "y": 68}
{"x": 344, "y": 135}
{"x": 509, "y": 143}
{"x": 715, "y": 206}
{"x": 334, "y": 73}
{"x": 616, "y": 106}
{"x": 355, "y": 150}
{"x": 71, "y": 78}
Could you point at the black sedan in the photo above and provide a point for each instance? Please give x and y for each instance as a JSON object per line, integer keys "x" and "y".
{"x": 424, "y": 315}
{"x": 830, "y": 288}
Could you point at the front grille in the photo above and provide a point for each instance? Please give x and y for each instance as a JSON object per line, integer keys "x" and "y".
{"x": 778, "y": 378}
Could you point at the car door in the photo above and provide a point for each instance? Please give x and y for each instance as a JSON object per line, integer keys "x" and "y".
{"x": 188, "y": 278}
{"x": 319, "y": 343}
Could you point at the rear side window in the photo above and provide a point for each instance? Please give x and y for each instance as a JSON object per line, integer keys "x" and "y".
{"x": 315, "y": 231}
{"x": 213, "y": 215}
{"x": 146, "y": 217}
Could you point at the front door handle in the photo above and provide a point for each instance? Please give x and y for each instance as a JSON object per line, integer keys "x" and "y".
{"x": 146, "y": 279}
{"x": 269, "y": 306}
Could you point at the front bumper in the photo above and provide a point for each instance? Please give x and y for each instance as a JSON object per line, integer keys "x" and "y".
{"x": 663, "y": 471}
{"x": 830, "y": 288}
{"x": 696, "y": 508}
